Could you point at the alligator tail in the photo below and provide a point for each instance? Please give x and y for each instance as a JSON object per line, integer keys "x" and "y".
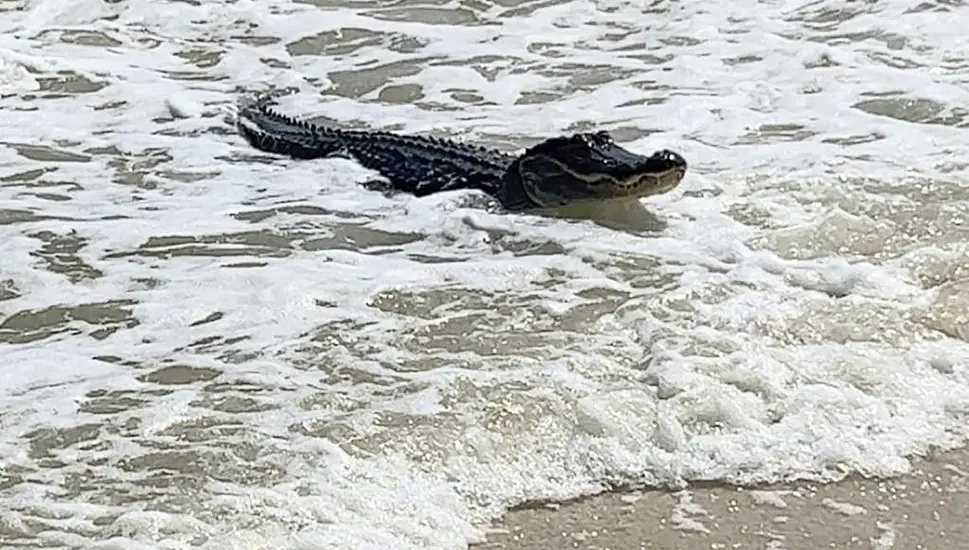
{"x": 269, "y": 131}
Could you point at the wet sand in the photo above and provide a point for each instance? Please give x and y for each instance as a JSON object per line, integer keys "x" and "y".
{"x": 926, "y": 510}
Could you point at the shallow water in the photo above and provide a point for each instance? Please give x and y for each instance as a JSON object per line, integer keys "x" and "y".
{"x": 204, "y": 346}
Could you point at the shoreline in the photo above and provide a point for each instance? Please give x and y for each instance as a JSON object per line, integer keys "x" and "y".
{"x": 925, "y": 509}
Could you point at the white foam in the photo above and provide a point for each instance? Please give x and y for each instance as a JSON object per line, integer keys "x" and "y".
{"x": 684, "y": 514}
{"x": 721, "y": 359}
{"x": 843, "y": 508}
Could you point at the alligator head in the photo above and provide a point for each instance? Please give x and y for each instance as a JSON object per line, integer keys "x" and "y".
{"x": 590, "y": 167}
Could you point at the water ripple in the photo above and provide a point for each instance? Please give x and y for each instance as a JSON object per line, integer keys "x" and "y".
{"x": 216, "y": 348}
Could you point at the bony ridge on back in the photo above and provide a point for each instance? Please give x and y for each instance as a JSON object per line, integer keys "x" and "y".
{"x": 566, "y": 170}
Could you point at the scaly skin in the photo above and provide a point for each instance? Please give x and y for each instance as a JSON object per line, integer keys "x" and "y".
{"x": 558, "y": 171}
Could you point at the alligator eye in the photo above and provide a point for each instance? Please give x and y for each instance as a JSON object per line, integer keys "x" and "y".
{"x": 604, "y": 136}
{"x": 670, "y": 157}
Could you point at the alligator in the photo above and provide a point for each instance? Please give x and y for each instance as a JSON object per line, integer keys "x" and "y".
{"x": 578, "y": 168}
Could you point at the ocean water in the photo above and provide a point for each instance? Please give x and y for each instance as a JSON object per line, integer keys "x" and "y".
{"x": 203, "y": 346}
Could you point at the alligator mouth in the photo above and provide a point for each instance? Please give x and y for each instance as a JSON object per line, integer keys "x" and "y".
{"x": 658, "y": 173}
{"x": 645, "y": 185}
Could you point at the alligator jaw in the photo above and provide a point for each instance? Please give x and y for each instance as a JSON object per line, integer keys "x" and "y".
{"x": 661, "y": 172}
{"x": 592, "y": 167}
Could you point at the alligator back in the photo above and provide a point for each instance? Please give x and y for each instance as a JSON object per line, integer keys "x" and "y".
{"x": 413, "y": 164}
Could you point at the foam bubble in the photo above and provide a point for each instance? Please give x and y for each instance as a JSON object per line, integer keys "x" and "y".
{"x": 219, "y": 349}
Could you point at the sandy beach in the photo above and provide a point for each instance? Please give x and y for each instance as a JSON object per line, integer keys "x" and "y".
{"x": 925, "y": 510}
{"x": 351, "y": 275}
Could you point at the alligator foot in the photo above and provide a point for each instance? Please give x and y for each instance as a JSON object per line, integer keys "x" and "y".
{"x": 381, "y": 186}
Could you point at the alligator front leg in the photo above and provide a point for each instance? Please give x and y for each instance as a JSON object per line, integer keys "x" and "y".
{"x": 381, "y": 186}
{"x": 437, "y": 182}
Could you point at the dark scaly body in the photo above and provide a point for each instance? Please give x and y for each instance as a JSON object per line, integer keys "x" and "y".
{"x": 553, "y": 173}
